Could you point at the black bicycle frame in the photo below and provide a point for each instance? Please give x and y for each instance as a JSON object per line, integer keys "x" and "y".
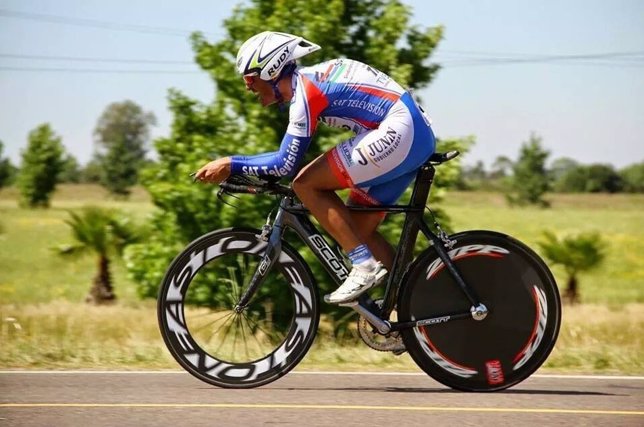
{"x": 293, "y": 215}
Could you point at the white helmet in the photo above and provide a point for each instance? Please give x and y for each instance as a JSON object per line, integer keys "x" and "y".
{"x": 265, "y": 54}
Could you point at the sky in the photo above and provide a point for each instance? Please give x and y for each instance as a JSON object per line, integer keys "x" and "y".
{"x": 571, "y": 71}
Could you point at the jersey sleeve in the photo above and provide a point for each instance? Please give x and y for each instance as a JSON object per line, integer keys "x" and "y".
{"x": 284, "y": 162}
{"x": 307, "y": 105}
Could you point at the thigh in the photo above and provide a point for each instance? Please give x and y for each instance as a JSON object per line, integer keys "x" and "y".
{"x": 382, "y": 194}
{"x": 319, "y": 175}
{"x": 397, "y": 147}
{"x": 373, "y": 155}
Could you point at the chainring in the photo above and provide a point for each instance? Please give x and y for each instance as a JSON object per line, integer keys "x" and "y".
{"x": 370, "y": 335}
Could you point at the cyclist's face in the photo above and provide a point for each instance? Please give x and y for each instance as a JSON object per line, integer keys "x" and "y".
{"x": 263, "y": 90}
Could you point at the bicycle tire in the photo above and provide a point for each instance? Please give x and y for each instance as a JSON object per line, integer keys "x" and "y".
{"x": 519, "y": 331}
{"x": 204, "y": 282}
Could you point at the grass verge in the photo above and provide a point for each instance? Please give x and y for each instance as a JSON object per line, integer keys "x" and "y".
{"x": 64, "y": 335}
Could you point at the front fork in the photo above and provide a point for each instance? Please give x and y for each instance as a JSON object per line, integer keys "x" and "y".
{"x": 272, "y": 235}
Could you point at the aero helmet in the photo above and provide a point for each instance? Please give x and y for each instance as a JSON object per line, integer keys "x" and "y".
{"x": 266, "y": 54}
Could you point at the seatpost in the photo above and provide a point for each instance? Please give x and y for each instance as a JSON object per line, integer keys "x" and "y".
{"x": 424, "y": 180}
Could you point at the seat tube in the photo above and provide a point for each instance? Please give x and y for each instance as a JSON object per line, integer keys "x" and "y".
{"x": 405, "y": 252}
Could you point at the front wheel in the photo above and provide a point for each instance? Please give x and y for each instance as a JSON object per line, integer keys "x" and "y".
{"x": 515, "y": 337}
{"x": 227, "y": 347}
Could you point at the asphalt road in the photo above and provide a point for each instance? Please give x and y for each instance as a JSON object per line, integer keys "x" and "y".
{"x": 97, "y": 399}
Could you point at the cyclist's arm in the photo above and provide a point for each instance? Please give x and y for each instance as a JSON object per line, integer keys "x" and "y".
{"x": 302, "y": 120}
{"x": 284, "y": 162}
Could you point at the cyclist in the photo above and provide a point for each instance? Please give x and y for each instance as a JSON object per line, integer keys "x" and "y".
{"x": 393, "y": 138}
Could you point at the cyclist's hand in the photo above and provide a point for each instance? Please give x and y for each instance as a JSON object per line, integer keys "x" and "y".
{"x": 215, "y": 171}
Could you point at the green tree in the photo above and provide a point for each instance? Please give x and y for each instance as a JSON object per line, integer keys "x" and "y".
{"x": 104, "y": 233}
{"x": 475, "y": 176}
{"x": 560, "y": 169}
{"x": 42, "y": 162}
{"x": 91, "y": 172}
{"x": 71, "y": 172}
{"x": 377, "y": 32}
{"x": 121, "y": 135}
{"x": 7, "y": 170}
{"x": 501, "y": 168}
{"x": 530, "y": 180}
{"x": 576, "y": 254}
{"x": 595, "y": 178}
{"x": 572, "y": 180}
{"x": 603, "y": 179}
{"x": 633, "y": 178}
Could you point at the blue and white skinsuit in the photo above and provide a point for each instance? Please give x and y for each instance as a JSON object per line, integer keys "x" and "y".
{"x": 393, "y": 135}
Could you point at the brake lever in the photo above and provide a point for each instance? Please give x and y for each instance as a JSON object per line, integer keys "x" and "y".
{"x": 220, "y": 197}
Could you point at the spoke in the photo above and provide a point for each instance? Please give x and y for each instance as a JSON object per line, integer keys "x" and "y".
{"x": 223, "y": 340}
{"x": 232, "y": 355}
{"x": 217, "y": 324}
{"x": 201, "y": 327}
{"x": 241, "y": 324}
{"x": 256, "y": 325}
{"x": 240, "y": 276}
{"x": 233, "y": 284}
{"x": 209, "y": 313}
{"x": 259, "y": 344}
{"x": 227, "y": 318}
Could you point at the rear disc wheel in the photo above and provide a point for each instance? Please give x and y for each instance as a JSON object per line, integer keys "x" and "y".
{"x": 515, "y": 337}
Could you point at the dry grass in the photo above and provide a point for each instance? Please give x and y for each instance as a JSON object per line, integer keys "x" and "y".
{"x": 593, "y": 339}
{"x": 44, "y": 324}
{"x": 598, "y": 338}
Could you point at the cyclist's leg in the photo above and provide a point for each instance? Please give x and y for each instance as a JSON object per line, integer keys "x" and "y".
{"x": 380, "y": 159}
{"x": 366, "y": 225}
{"x": 395, "y": 149}
{"x": 368, "y": 222}
{"x": 315, "y": 185}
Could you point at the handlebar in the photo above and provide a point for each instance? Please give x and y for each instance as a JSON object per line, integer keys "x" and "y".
{"x": 246, "y": 185}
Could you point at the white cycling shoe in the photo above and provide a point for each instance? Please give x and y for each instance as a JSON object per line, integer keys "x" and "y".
{"x": 359, "y": 281}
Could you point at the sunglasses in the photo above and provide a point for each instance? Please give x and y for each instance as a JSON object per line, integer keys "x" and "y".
{"x": 249, "y": 79}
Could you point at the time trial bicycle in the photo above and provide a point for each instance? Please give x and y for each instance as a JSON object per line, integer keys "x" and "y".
{"x": 476, "y": 310}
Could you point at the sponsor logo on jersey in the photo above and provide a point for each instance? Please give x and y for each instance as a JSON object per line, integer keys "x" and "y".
{"x": 379, "y": 149}
{"x": 369, "y": 107}
{"x": 286, "y": 166}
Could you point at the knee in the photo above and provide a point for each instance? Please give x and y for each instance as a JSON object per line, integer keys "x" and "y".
{"x": 302, "y": 183}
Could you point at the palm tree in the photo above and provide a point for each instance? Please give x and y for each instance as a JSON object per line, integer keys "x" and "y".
{"x": 576, "y": 254}
{"x": 104, "y": 232}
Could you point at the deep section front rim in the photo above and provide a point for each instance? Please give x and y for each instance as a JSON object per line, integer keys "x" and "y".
{"x": 230, "y": 348}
